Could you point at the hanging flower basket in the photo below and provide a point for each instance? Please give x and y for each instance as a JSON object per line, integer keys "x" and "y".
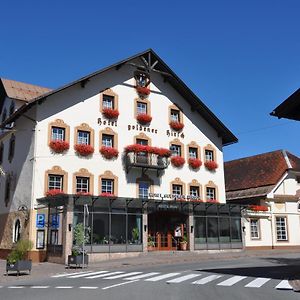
{"x": 142, "y": 90}
{"x": 59, "y": 146}
{"x": 144, "y": 118}
{"x": 136, "y": 148}
{"x": 176, "y": 125}
{"x": 195, "y": 163}
{"x": 108, "y": 195}
{"x": 258, "y": 208}
{"x": 83, "y": 149}
{"x": 110, "y": 113}
{"x": 211, "y": 165}
{"x": 109, "y": 152}
{"x": 54, "y": 192}
{"x": 177, "y": 161}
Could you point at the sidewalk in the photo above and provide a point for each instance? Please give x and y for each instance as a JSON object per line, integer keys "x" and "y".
{"x": 44, "y": 270}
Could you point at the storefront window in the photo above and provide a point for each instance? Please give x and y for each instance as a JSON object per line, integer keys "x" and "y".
{"x": 212, "y": 230}
{"x": 118, "y": 229}
{"x": 236, "y": 234}
{"x": 200, "y": 230}
{"x": 224, "y": 226}
{"x": 100, "y": 229}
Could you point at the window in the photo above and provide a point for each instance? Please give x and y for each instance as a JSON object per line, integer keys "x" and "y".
{"x": 55, "y": 182}
{"x": 193, "y": 153}
{"x": 107, "y": 140}
{"x": 83, "y": 137}
{"x": 82, "y": 184}
{"x": 17, "y": 231}
{"x": 143, "y": 189}
{"x": 108, "y": 102}
{"x": 254, "y": 228}
{"x": 194, "y": 191}
{"x": 141, "y": 108}
{"x": 141, "y": 79}
{"x": 1, "y": 152}
{"x": 209, "y": 155}
{"x": 210, "y": 193}
{"x": 175, "y": 115}
{"x": 11, "y": 150}
{"x": 281, "y": 229}
{"x": 175, "y": 150}
{"x": 107, "y": 186}
{"x": 142, "y": 142}
{"x": 57, "y": 133}
{"x": 177, "y": 189}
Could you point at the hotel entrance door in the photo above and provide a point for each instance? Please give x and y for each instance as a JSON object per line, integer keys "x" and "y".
{"x": 165, "y": 229}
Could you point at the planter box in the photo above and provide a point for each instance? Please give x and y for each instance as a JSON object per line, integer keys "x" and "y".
{"x": 78, "y": 260}
{"x": 18, "y": 266}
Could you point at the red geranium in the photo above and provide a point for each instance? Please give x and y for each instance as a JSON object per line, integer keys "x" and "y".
{"x": 143, "y": 90}
{"x": 109, "y": 152}
{"x": 176, "y": 125}
{"x": 195, "y": 163}
{"x": 59, "y": 146}
{"x": 54, "y": 192}
{"x": 108, "y": 195}
{"x": 144, "y": 118}
{"x": 211, "y": 165}
{"x": 110, "y": 113}
{"x": 83, "y": 149}
{"x": 136, "y": 148}
{"x": 177, "y": 161}
{"x": 258, "y": 208}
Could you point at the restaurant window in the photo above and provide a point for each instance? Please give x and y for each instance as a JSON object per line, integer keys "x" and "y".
{"x": 107, "y": 140}
{"x": 82, "y": 184}
{"x": 57, "y": 133}
{"x": 55, "y": 182}
{"x": 107, "y": 186}
{"x": 210, "y": 193}
{"x": 281, "y": 229}
{"x": 254, "y": 228}
{"x": 83, "y": 137}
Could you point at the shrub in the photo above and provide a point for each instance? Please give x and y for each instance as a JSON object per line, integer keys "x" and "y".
{"x": 20, "y": 251}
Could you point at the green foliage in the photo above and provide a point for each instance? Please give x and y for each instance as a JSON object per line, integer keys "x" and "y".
{"x": 184, "y": 239}
{"x": 20, "y": 251}
{"x": 79, "y": 237}
{"x": 135, "y": 233}
{"x": 150, "y": 241}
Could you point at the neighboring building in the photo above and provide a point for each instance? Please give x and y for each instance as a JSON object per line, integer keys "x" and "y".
{"x": 268, "y": 185}
{"x": 137, "y": 200}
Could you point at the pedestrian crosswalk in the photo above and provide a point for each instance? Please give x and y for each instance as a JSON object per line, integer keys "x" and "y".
{"x": 188, "y": 277}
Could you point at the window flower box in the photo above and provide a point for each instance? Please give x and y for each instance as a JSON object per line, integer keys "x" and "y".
{"x": 144, "y": 118}
{"x": 177, "y": 161}
{"x": 176, "y": 125}
{"x": 54, "y": 192}
{"x": 142, "y": 90}
{"x": 59, "y": 146}
{"x": 108, "y": 195}
{"x": 211, "y": 165}
{"x": 109, "y": 152}
{"x": 195, "y": 163}
{"x": 84, "y": 150}
{"x": 258, "y": 208}
{"x": 110, "y": 113}
{"x": 136, "y": 148}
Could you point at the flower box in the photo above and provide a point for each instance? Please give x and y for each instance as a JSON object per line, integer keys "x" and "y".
{"x": 110, "y": 113}
{"x": 258, "y": 208}
{"x": 18, "y": 266}
{"x": 108, "y": 195}
{"x": 59, "y": 146}
{"x": 176, "y": 125}
{"x": 177, "y": 161}
{"x": 195, "y": 163}
{"x": 143, "y": 90}
{"x": 136, "y": 148}
{"x": 109, "y": 152}
{"x": 144, "y": 118}
{"x": 54, "y": 192}
{"x": 211, "y": 165}
{"x": 84, "y": 150}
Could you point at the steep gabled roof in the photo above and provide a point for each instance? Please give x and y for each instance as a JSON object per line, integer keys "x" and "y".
{"x": 168, "y": 75}
{"x": 289, "y": 108}
{"x": 257, "y": 175}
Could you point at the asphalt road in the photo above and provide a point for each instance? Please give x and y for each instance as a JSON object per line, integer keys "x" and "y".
{"x": 245, "y": 278}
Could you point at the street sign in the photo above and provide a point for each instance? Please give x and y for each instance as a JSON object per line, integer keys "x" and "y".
{"x": 40, "y": 220}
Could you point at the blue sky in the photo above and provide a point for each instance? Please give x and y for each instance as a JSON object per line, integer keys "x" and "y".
{"x": 242, "y": 58}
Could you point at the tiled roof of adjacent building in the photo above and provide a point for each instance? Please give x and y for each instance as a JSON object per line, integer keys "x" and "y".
{"x": 257, "y": 175}
{"x": 22, "y": 91}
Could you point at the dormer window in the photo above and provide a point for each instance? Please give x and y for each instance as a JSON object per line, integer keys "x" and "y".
{"x": 142, "y": 79}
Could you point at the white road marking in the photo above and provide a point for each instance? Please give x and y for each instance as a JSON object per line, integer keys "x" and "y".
{"x": 142, "y": 276}
{"x": 115, "y": 285}
{"x": 160, "y": 277}
{"x": 69, "y": 274}
{"x": 183, "y": 278}
{"x": 258, "y": 282}
{"x": 63, "y": 287}
{"x": 231, "y": 281}
{"x": 87, "y": 274}
{"x": 16, "y": 287}
{"x": 283, "y": 285}
{"x": 40, "y": 287}
{"x": 104, "y": 275}
{"x": 122, "y": 275}
{"x": 207, "y": 279}
{"x": 89, "y": 287}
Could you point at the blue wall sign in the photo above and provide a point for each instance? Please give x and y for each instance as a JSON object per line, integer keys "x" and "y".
{"x": 40, "y": 220}
{"x": 55, "y": 221}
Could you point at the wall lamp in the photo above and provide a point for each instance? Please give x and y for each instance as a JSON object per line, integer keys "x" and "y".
{"x": 192, "y": 228}
{"x": 145, "y": 227}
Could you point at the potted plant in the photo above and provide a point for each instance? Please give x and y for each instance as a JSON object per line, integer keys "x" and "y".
{"x": 183, "y": 243}
{"x": 151, "y": 243}
{"x": 135, "y": 235}
{"x": 76, "y": 258}
{"x": 16, "y": 260}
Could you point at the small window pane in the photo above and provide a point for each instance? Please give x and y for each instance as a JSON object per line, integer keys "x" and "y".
{"x": 142, "y": 142}
{"x": 82, "y": 184}
{"x": 177, "y": 189}
{"x": 194, "y": 191}
{"x": 175, "y": 150}
{"x": 83, "y": 137}
{"x": 254, "y": 228}
{"x": 210, "y": 193}
{"x": 57, "y": 133}
{"x": 55, "y": 182}
{"x": 193, "y": 153}
{"x": 175, "y": 115}
{"x": 281, "y": 229}
{"x": 107, "y": 140}
{"x": 209, "y": 155}
{"x": 141, "y": 108}
{"x": 108, "y": 101}
{"x": 143, "y": 189}
{"x": 107, "y": 186}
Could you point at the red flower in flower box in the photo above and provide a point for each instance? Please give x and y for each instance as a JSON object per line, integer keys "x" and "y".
{"x": 258, "y": 208}
{"x": 54, "y": 192}
{"x": 211, "y": 165}
{"x": 195, "y": 163}
{"x": 144, "y": 118}
{"x": 176, "y": 125}
{"x": 163, "y": 152}
{"x": 108, "y": 195}
{"x": 110, "y": 113}
{"x": 59, "y": 146}
{"x": 143, "y": 90}
{"x": 177, "y": 161}
{"x": 136, "y": 148}
{"x": 109, "y": 152}
{"x": 83, "y": 149}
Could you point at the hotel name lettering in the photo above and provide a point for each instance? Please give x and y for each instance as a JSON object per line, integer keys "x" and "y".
{"x": 138, "y": 127}
{"x": 172, "y": 196}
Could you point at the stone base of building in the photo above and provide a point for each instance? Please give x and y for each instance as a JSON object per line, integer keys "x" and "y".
{"x": 296, "y": 247}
